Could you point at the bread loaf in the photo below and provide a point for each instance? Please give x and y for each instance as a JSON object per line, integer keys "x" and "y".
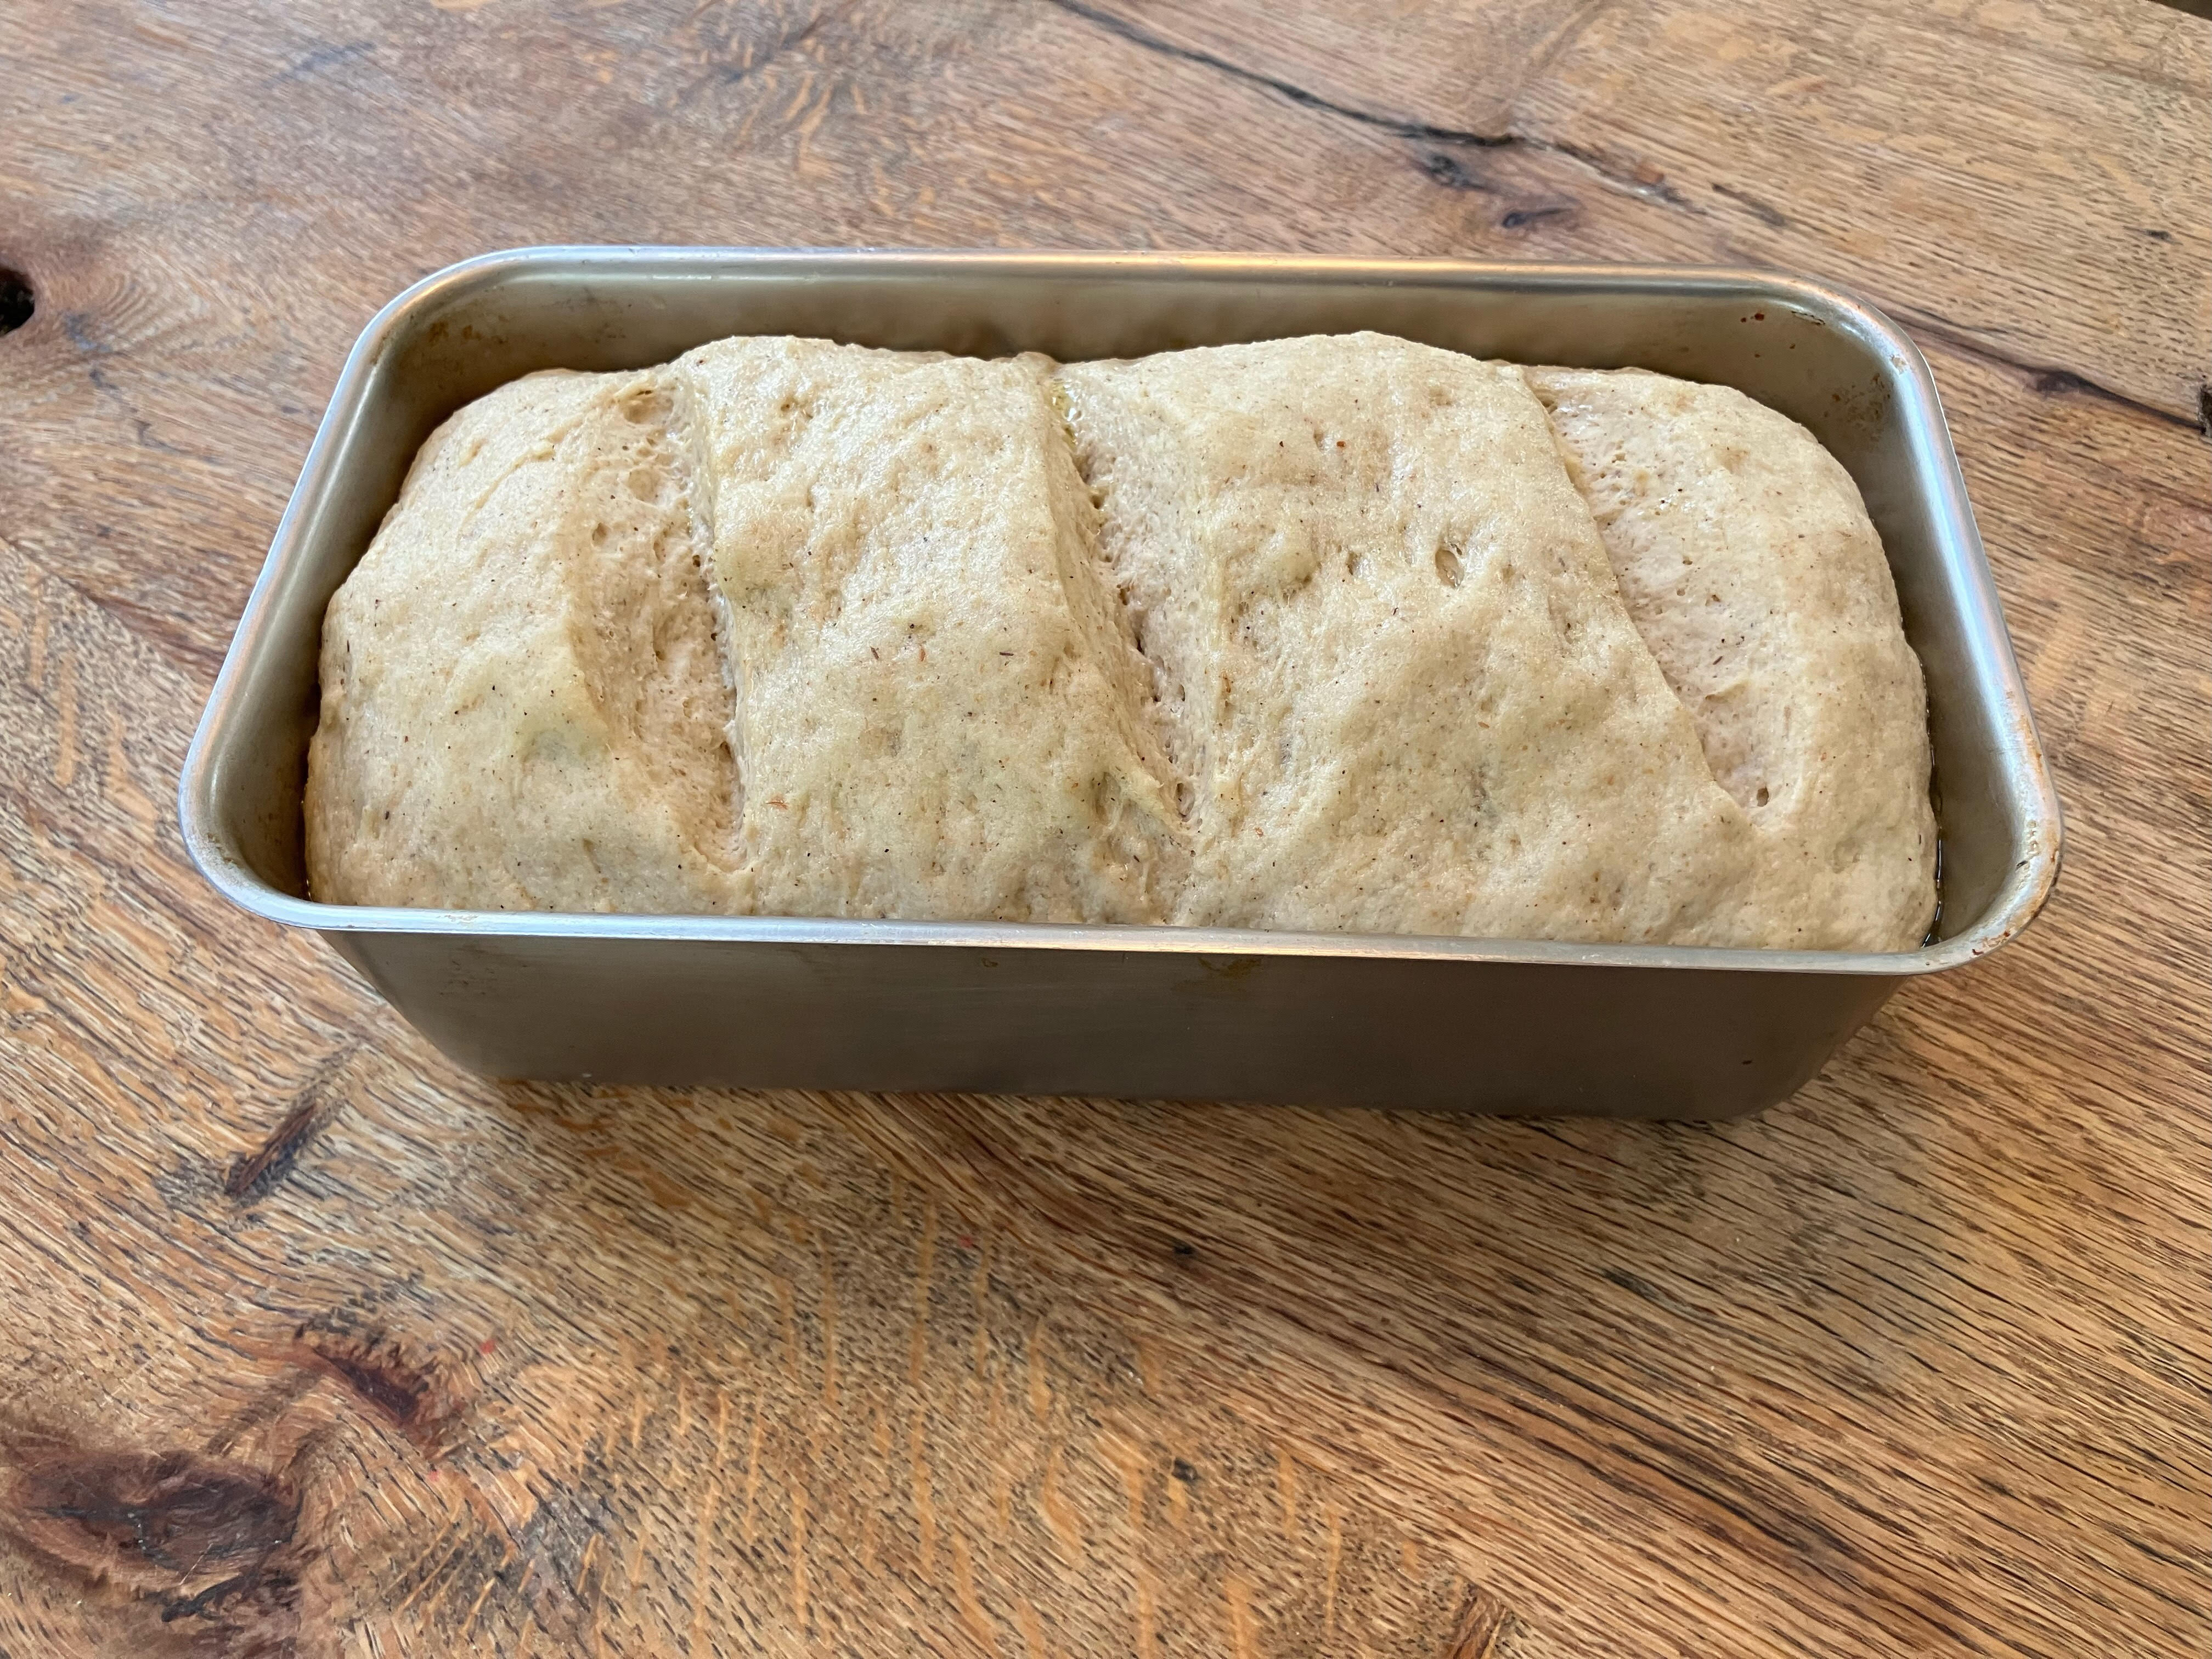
{"x": 1340, "y": 633}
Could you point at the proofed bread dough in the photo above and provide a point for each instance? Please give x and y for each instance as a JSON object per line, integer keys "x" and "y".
{"x": 1340, "y": 633}
{"x": 523, "y": 702}
{"x": 1392, "y": 666}
{"x": 938, "y": 712}
{"x": 1748, "y": 562}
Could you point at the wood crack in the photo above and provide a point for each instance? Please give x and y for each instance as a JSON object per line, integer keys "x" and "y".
{"x": 253, "y": 1175}
{"x": 1443, "y": 169}
{"x": 2050, "y": 379}
{"x": 1652, "y": 189}
{"x": 1396, "y": 126}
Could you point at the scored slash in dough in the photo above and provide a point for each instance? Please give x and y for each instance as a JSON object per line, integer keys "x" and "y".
{"x": 1748, "y": 563}
{"x": 937, "y": 700}
{"x": 523, "y": 702}
{"x": 1393, "y": 665}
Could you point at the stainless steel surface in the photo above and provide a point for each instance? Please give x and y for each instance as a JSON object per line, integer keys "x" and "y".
{"x": 1638, "y": 1030}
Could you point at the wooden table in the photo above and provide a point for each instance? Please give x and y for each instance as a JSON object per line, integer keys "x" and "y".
{"x": 313, "y": 1346}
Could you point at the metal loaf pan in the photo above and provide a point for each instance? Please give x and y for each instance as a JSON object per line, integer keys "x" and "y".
{"x": 1627, "y": 1030}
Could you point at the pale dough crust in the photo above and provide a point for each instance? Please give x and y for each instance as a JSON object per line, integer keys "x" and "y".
{"x": 523, "y": 703}
{"x": 938, "y": 707}
{"x": 1340, "y": 633}
{"x": 1393, "y": 665}
{"x": 1748, "y": 563}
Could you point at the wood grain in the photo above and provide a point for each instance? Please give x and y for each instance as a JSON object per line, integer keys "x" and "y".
{"x": 312, "y": 1344}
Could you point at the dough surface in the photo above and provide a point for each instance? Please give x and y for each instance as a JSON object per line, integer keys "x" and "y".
{"x": 1749, "y": 564}
{"x": 523, "y": 701}
{"x": 1393, "y": 665}
{"x": 1340, "y": 633}
{"x": 937, "y": 701}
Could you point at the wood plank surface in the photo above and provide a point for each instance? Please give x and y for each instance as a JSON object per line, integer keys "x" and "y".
{"x": 311, "y": 1345}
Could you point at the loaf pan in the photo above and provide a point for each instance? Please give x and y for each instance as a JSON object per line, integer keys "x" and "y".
{"x": 1484, "y": 1024}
